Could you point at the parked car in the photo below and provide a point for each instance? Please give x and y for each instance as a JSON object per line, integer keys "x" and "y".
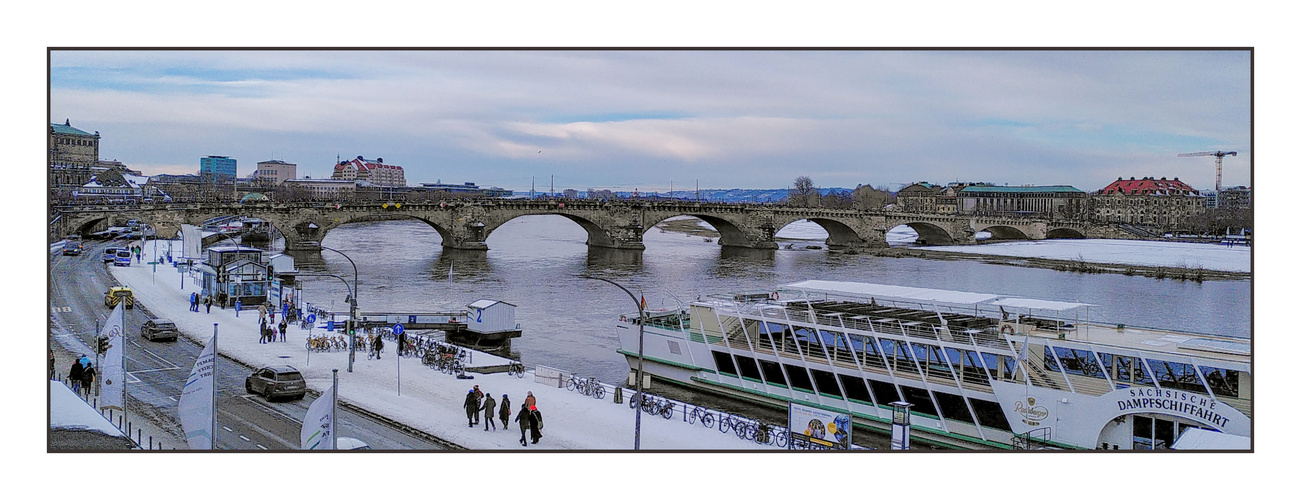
{"x": 159, "y": 329}
{"x": 122, "y": 258}
{"x": 110, "y": 254}
{"x": 276, "y": 381}
{"x": 119, "y": 293}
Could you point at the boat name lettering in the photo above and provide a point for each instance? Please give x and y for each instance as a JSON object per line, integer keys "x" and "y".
{"x": 1032, "y": 414}
{"x": 1193, "y": 405}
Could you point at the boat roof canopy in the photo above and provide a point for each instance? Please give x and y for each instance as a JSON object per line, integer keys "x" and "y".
{"x": 893, "y": 292}
{"x": 1051, "y": 305}
{"x": 928, "y": 295}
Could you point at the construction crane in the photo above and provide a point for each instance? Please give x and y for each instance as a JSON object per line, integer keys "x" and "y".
{"x": 1219, "y": 162}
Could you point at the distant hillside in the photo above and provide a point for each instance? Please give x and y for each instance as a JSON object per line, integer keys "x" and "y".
{"x": 729, "y": 195}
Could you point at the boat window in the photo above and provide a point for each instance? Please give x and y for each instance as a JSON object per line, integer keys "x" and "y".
{"x": 1223, "y": 382}
{"x": 1142, "y": 375}
{"x": 990, "y": 414}
{"x": 991, "y": 364}
{"x": 1124, "y": 366}
{"x": 724, "y": 363}
{"x": 799, "y": 378}
{"x": 1176, "y": 375}
{"x": 855, "y": 389}
{"x": 1078, "y": 362}
{"x": 968, "y": 365}
{"x": 920, "y": 399}
{"x": 952, "y": 407}
{"x": 772, "y": 372}
{"x": 748, "y": 368}
{"x": 885, "y": 392}
{"x": 826, "y": 383}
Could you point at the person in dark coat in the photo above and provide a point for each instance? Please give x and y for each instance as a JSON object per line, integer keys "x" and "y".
{"x": 283, "y": 326}
{"x": 88, "y": 380}
{"x": 535, "y": 423}
{"x": 471, "y": 407}
{"x": 51, "y": 364}
{"x": 523, "y": 419}
{"x": 207, "y": 304}
{"x": 74, "y": 376}
{"x": 505, "y": 412}
{"x": 478, "y": 396}
{"x": 489, "y": 406}
{"x": 378, "y": 345}
{"x": 402, "y": 342}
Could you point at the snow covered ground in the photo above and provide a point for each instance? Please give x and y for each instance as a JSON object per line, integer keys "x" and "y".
{"x": 430, "y": 400}
{"x": 1142, "y": 253}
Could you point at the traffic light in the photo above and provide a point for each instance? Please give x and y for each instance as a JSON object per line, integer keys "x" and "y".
{"x": 103, "y": 345}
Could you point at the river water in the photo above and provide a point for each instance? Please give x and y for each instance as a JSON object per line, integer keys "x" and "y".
{"x": 568, "y": 322}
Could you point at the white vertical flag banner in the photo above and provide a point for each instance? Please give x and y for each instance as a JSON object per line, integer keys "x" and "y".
{"x": 193, "y": 242}
{"x": 318, "y": 425}
{"x": 112, "y": 378}
{"x": 195, "y": 408}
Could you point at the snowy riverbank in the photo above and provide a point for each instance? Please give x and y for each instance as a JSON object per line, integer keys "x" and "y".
{"x": 430, "y": 401}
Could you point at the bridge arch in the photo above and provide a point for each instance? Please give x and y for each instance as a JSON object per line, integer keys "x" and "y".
{"x": 929, "y": 234}
{"x": 597, "y": 235}
{"x": 729, "y": 234}
{"x": 839, "y": 234}
{"x": 997, "y": 232}
{"x": 1064, "y": 233}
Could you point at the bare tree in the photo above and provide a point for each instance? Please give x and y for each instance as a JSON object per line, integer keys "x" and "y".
{"x": 804, "y": 193}
{"x": 868, "y": 198}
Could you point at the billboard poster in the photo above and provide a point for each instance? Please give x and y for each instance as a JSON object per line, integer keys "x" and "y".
{"x": 819, "y": 428}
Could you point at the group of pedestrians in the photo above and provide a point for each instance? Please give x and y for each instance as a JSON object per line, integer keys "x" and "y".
{"x": 196, "y": 301}
{"x": 82, "y": 376}
{"x": 529, "y": 418}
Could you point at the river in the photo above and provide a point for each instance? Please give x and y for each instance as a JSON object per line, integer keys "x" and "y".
{"x": 568, "y": 322}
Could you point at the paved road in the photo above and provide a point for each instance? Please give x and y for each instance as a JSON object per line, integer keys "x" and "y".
{"x": 157, "y": 370}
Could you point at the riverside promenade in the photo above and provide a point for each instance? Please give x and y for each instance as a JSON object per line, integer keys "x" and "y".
{"x": 429, "y": 401}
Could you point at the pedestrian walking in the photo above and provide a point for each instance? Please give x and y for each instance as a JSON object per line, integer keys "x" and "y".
{"x": 471, "y": 407}
{"x": 283, "y": 326}
{"x": 262, "y": 333}
{"x": 378, "y": 345}
{"x": 51, "y": 364}
{"x": 523, "y": 419}
{"x": 239, "y": 304}
{"x": 207, "y": 304}
{"x": 272, "y": 313}
{"x": 489, "y": 405}
{"x": 88, "y": 380}
{"x": 194, "y": 301}
{"x": 74, "y": 376}
{"x": 402, "y": 342}
{"x": 505, "y": 411}
{"x": 478, "y": 395}
{"x": 530, "y": 401}
{"x": 535, "y": 424}
{"x": 262, "y": 312}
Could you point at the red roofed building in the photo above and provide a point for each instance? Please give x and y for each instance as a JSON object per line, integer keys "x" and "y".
{"x": 1149, "y": 201}
{"x": 374, "y": 172}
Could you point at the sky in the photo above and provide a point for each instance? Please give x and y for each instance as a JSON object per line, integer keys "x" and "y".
{"x": 655, "y": 119}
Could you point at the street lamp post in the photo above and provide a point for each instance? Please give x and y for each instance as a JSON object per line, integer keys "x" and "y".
{"x": 641, "y": 331}
{"x": 352, "y": 310}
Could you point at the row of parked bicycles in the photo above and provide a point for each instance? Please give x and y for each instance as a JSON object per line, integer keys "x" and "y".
{"x": 586, "y": 386}
{"x": 757, "y": 431}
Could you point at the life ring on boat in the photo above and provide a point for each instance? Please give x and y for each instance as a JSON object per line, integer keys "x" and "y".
{"x": 776, "y": 296}
{"x": 623, "y": 318}
{"x": 1005, "y": 329}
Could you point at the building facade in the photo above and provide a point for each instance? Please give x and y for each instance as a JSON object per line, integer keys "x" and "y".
{"x": 275, "y": 171}
{"x": 72, "y": 147}
{"x": 921, "y": 197}
{"x": 217, "y": 167}
{"x": 1042, "y": 201}
{"x": 1147, "y": 201}
{"x": 374, "y": 172}
{"x": 319, "y": 189}
{"x": 1234, "y": 198}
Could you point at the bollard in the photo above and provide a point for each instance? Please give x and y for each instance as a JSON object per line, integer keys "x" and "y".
{"x": 110, "y": 414}
{"x": 151, "y": 442}
{"x": 139, "y": 435}
{"x": 128, "y": 429}
{"x": 618, "y": 395}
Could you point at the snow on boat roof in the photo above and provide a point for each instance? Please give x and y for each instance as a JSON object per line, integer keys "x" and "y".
{"x": 1051, "y": 305}
{"x": 873, "y": 290}
{"x": 486, "y": 303}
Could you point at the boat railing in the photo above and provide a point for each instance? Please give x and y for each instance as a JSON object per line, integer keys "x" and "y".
{"x": 1036, "y": 439}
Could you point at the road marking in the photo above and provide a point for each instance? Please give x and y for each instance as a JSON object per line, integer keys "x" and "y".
{"x": 241, "y": 436}
{"x": 260, "y": 446}
{"x": 228, "y": 429}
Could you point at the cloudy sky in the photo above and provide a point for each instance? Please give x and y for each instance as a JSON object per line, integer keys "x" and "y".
{"x": 648, "y": 119}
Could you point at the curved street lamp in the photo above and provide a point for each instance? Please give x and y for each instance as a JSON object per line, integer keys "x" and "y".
{"x": 641, "y": 336}
{"x": 352, "y": 310}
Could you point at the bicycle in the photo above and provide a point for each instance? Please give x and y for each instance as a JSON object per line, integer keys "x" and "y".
{"x": 516, "y": 369}
{"x": 726, "y": 422}
{"x": 587, "y": 387}
{"x": 698, "y": 413}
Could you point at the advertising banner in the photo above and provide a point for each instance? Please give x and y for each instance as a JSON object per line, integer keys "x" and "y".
{"x": 819, "y": 427}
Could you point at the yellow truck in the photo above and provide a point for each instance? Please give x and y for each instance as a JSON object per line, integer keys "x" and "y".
{"x": 119, "y": 293}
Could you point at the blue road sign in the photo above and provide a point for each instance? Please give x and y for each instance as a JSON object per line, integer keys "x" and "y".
{"x": 311, "y": 318}
{"x": 411, "y": 319}
{"x": 329, "y": 326}
{"x": 397, "y": 328}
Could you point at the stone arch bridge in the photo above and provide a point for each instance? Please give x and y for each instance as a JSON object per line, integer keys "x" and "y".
{"x": 620, "y": 224}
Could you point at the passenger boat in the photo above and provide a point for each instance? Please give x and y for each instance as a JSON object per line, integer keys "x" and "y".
{"x": 981, "y": 371}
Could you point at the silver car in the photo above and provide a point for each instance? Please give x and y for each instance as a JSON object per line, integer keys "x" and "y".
{"x": 276, "y": 381}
